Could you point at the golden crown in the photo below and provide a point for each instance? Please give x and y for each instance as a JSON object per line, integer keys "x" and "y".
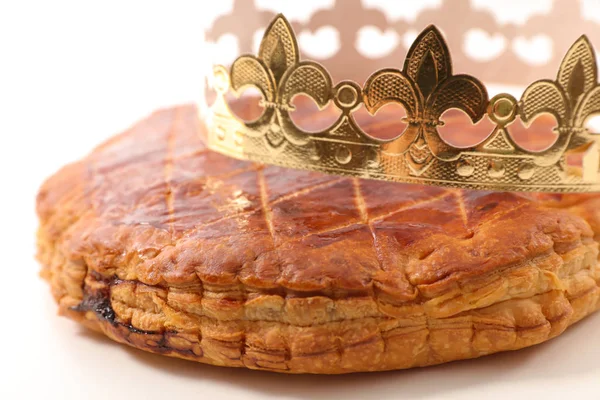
{"x": 426, "y": 88}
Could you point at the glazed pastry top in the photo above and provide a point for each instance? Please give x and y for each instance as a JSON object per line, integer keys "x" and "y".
{"x": 155, "y": 206}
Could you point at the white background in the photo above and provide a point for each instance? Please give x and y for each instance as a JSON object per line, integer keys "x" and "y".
{"x": 72, "y": 74}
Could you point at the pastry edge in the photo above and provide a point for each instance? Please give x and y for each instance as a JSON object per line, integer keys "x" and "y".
{"x": 372, "y": 343}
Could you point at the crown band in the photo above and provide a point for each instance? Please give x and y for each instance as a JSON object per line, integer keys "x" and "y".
{"x": 426, "y": 89}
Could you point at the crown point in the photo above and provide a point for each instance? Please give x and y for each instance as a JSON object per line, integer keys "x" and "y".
{"x": 584, "y": 41}
{"x": 578, "y": 65}
{"x": 433, "y": 28}
{"x": 278, "y": 47}
{"x": 281, "y": 18}
{"x": 428, "y": 57}
{"x": 585, "y": 38}
{"x": 430, "y": 29}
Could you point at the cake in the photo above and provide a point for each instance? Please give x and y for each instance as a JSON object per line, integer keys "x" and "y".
{"x": 166, "y": 246}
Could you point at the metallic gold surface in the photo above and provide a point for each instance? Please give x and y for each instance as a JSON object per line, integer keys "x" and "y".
{"x": 426, "y": 88}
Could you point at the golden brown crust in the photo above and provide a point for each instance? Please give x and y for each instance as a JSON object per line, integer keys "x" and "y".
{"x": 168, "y": 247}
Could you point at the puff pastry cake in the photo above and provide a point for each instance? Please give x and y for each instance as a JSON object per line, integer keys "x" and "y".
{"x": 163, "y": 245}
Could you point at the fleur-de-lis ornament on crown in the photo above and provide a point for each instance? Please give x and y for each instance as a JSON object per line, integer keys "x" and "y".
{"x": 571, "y": 99}
{"x": 279, "y": 75}
{"x": 426, "y": 88}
